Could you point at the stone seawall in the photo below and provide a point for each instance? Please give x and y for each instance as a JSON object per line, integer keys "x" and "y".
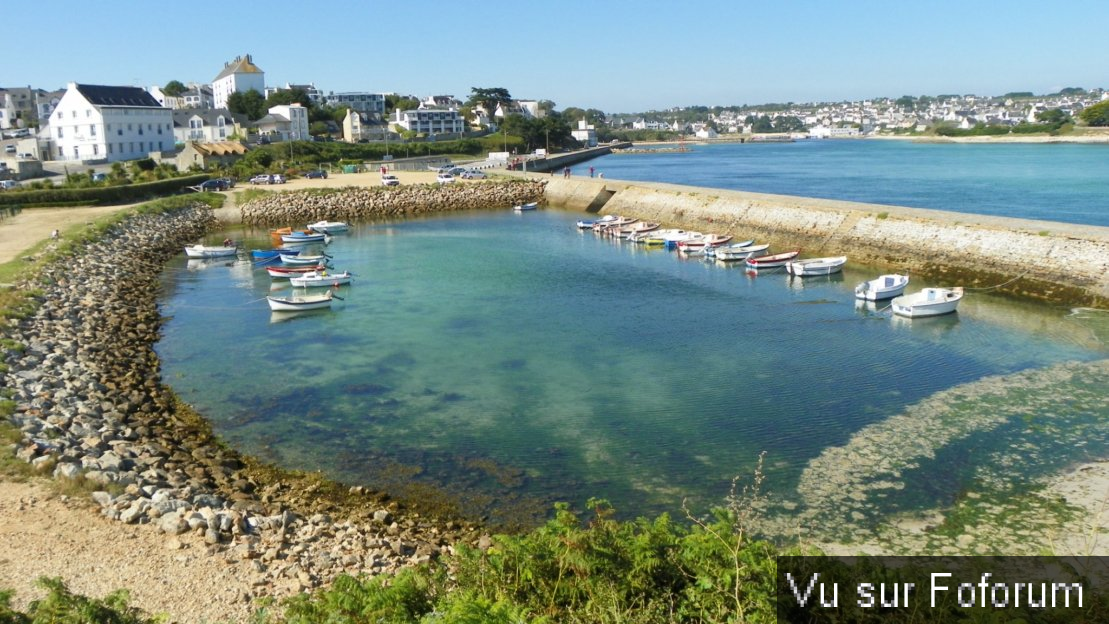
{"x": 1045, "y": 260}
{"x": 361, "y": 204}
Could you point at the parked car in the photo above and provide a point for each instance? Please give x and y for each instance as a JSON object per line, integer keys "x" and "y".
{"x": 99, "y": 177}
{"x": 8, "y": 184}
{"x": 473, "y": 174}
{"x": 456, "y": 171}
{"x": 10, "y": 148}
{"x": 388, "y": 179}
{"x": 444, "y": 178}
{"x": 277, "y": 178}
{"x": 228, "y": 182}
{"x": 261, "y": 178}
{"x": 213, "y": 185}
{"x": 319, "y": 173}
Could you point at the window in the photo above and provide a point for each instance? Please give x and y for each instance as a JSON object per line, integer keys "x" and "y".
{"x": 76, "y": 152}
{"x": 140, "y": 128}
{"x": 109, "y": 148}
{"x": 61, "y": 152}
{"x": 88, "y": 112}
{"x": 119, "y": 132}
{"x": 132, "y": 146}
{"x": 129, "y": 128}
{"x": 95, "y": 149}
{"x": 60, "y": 133}
{"x": 73, "y": 114}
{"x": 92, "y": 130}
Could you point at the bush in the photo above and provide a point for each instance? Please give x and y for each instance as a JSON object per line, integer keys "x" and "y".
{"x": 100, "y": 195}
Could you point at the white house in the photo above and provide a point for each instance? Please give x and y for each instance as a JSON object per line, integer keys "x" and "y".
{"x": 361, "y": 127}
{"x": 430, "y": 121}
{"x": 238, "y": 75}
{"x": 585, "y": 133}
{"x": 206, "y": 126}
{"x": 97, "y": 122}
{"x": 706, "y": 132}
{"x": 289, "y": 121}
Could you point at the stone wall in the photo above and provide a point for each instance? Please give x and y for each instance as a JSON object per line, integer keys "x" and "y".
{"x": 366, "y": 203}
{"x": 1044, "y": 260}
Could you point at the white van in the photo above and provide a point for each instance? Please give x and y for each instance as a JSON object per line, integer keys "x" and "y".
{"x": 8, "y": 184}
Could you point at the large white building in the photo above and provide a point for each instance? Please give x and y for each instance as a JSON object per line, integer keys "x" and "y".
{"x": 372, "y": 103}
{"x": 97, "y": 122}
{"x": 238, "y": 75}
{"x": 430, "y": 120}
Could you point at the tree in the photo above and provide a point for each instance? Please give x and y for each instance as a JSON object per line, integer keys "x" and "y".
{"x": 1096, "y": 115}
{"x": 174, "y": 88}
{"x": 289, "y": 96}
{"x": 1055, "y": 116}
{"x": 249, "y": 103}
{"x": 318, "y": 128}
{"x": 488, "y": 98}
{"x": 906, "y": 101}
{"x": 403, "y": 102}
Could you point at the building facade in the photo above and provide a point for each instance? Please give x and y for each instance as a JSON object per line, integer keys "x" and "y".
{"x": 430, "y": 121}
{"x": 240, "y": 75}
{"x": 106, "y": 123}
{"x": 287, "y": 121}
{"x": 207, "y": 126}
{"x": 371, "y": 103}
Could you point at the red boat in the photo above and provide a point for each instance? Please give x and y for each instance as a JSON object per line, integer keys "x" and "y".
{"x": 777, "y": 260}
{"x": 289, "y": 271}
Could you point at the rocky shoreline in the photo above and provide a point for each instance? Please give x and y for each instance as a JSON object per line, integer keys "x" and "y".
{"x": 363, "y": 203}
{"x": 89, "y": 401}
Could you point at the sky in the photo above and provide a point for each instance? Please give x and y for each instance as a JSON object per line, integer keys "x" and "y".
{"x": 618, "y": 56}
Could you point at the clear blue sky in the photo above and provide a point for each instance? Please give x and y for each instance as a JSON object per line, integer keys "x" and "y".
{"x": 617, "y": 56}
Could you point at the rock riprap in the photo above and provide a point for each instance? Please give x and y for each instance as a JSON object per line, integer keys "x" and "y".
{"x": 363, "y": 204}
{"x": 90, "y": 403}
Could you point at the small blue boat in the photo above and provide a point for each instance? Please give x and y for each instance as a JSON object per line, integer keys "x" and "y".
{"x": 269, "y": 254}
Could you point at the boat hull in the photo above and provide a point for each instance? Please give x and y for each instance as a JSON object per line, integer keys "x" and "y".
{"x": 204, "y": 251}
{"x": 927, "y": 302}
{"x": 313, "y": 280}
{"x": 816, "y": 266}
{"x": 296, "y": 304}
{"x": 303, "y": 238}
{"x": 881, "y": 288}
{"x": 772, "y": 262}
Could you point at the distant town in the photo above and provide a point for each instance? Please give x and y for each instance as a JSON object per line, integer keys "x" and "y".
{"x": 90, "y": 124}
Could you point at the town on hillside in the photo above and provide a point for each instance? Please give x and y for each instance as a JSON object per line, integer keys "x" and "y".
{"x": 194, "y": 125}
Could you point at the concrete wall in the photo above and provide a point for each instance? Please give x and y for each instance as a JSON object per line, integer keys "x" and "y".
{"x": 1044, "y": 260}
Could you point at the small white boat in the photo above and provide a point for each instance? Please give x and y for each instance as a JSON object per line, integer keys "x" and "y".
{"x": 287, "y": 272}
{"x": 527, "y": 206}
{"x": 299, "y": 260}
{"x": 328, "y": 227}
{"x": 882, "y": 287}
{"x": 210, "y": 251}
{"x": 300, "y": 302}
{"x": 300, "y": 237}
{"x": 816, "y": 266}
{"x": 928, "y": 302}
{"x": 732, "y": 253}
{"x": 319, "y": 279}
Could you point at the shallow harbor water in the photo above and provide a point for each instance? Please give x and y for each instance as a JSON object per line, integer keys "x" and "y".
{"x": 508, "y": 361}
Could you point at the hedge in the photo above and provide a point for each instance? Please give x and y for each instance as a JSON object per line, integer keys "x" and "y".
{"x": 102, "y": 194}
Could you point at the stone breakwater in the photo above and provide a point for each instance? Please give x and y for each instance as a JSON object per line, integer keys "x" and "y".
{"x": 364, "y": 204}
{"x": 91, "y": 406}
{"x": 1043, "y": 260}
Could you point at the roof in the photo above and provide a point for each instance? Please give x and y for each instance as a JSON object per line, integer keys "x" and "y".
{"x": 181, "y": 116}
{"x": 221, "y": 148}
{"x": 101, "y": 95}
{"x": 241, "y": 65}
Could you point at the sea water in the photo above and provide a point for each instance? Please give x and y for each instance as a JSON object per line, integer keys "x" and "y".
{"x": 505, "y": 361}
{"x": 1053, "y": 182}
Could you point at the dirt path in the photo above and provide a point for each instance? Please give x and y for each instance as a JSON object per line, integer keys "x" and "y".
{"x": 21, "y": 232}
{"x": 43, "y": 535}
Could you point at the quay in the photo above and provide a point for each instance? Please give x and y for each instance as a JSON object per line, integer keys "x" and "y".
{"x": 1049, "y": 261}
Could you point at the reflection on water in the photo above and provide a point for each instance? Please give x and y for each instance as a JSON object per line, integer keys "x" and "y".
{"x": 508, "y": 363}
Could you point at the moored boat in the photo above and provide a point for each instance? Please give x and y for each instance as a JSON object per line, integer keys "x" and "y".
{"x": 297, "y": 303}
{"x": 285, "y": 272}
{"x": 928, "y": 302}
{"x": 316, "y": 279}
{"x": 816, "y": 266}
{"x": 882, "y": 287}
{"x": 328, "y": 227}
{"x": 527, "y": 206}
{"x": 294, "y": 260}
{"x": 269, "y": 254}
{"x": 302, "y": 237}
{"x": 731, "y": 253}
{"x": 210, "y": 251}
{"x": 771, "y": 262}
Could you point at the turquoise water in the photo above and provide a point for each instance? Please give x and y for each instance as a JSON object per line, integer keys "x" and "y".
{"x": 1054, "y": 182}
{"x": 509, "y": 361}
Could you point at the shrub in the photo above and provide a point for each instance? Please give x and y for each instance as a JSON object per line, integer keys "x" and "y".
{"x": 101, "y": 194}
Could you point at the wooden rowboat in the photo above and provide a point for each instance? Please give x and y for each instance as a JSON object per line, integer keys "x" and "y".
{"x": 774, "y": 261}
{"x": 286, "y": 272}
{"x": 297, "y": 303}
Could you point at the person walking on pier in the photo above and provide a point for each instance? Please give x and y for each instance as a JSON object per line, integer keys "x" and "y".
{"x": 591, "y": 172}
